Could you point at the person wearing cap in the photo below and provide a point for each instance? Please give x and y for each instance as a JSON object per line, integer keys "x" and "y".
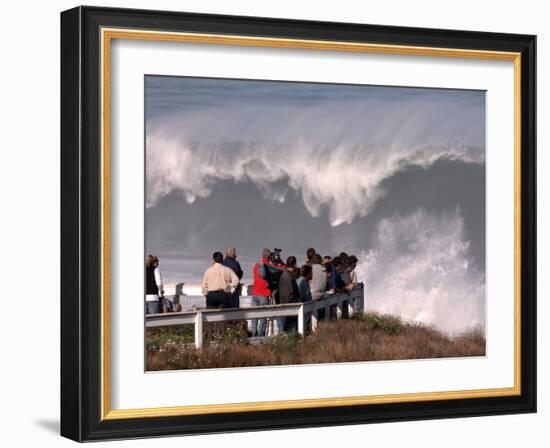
{"x": 218, "y": 283}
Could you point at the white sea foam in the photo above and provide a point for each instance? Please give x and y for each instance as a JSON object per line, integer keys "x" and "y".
{"x": 420, "y": 268}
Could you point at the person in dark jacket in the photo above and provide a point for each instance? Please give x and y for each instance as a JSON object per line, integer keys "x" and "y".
{"x": 335, "y": 279}
{"x": 288, "y": 288}
{"x": 288, "y": 291}
{"x": 153, "y": 285}
{"x": 309, "y": 255}
{"x": 304, "y": 283}
{"x": 231, "y": 262}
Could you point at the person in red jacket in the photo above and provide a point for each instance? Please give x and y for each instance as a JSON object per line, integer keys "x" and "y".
{"x": 266, "y": 282}
{"x": 260, "y": 292}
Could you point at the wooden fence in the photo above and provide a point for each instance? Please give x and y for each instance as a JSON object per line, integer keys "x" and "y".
{"x": 306, "y": 312}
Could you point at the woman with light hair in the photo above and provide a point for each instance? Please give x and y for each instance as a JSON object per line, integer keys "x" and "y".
{"x": 153, "y": 285}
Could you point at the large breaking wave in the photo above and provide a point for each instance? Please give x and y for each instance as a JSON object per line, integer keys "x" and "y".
{"x": 344, "y": 179}
{"x": 334, "y": 150}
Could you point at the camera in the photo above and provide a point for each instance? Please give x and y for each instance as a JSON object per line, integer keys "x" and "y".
{"x": 276, "y": 257}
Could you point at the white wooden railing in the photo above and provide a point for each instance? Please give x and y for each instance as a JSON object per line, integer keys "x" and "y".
{"x": 305, "y": 312}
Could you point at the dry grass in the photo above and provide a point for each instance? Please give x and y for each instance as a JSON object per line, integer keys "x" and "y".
{"x": 372, "y": 337}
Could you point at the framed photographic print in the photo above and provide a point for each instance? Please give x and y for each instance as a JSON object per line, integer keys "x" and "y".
{"x": 273, "y": 223}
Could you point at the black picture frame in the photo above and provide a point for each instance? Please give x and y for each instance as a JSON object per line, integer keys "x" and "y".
{"x": 81, "y": 381}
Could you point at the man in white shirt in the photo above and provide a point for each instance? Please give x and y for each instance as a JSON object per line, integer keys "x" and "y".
{"x": 218, "y": 282}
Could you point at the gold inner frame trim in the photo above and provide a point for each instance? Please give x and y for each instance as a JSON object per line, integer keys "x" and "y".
{"x": 107, "y": 35}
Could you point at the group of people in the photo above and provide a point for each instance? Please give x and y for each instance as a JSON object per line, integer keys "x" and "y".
{"x": 278, "y": 282}
{"x": 274, "y": 282}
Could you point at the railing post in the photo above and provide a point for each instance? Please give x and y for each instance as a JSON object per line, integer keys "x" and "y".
{"x": 351, "y": 307}
{"x": 314, "y": 319}
{"x": 198, "y": 330}
{"x": 339, "y": 308}
{"x": 301, "y": 329}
